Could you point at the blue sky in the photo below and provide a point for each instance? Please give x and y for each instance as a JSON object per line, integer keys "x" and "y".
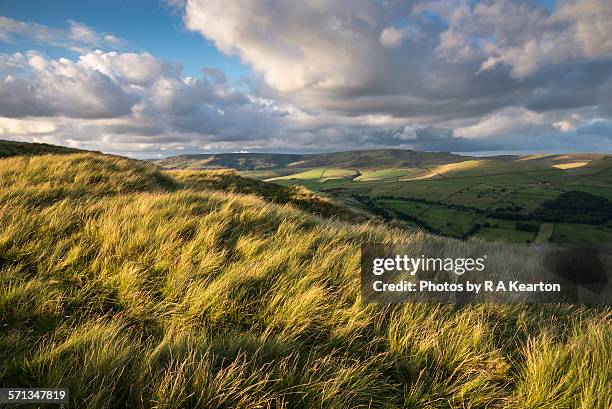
{"x": 149, "y": 79}
{"x": 152, "y": 26}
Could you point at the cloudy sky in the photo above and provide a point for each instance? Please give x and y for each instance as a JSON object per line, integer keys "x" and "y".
{"x": 156, "y": 78}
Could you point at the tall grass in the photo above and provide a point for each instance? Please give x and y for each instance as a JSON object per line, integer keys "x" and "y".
{"x": 137, "y": 288}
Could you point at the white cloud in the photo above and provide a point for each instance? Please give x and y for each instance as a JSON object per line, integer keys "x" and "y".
{"x": 36, "y": 61}
{"x": 132, "y": 68}
{"x": 63, "y": 87}
{"x": 76, "y": 37}
{"x": 522, "y": 123}
{"x": 37, "y": 32}
{"x": 564, "y": 126}
{"x": 391, "y": 37}
{"x": 81, "y": 33}
{"x": 112, "y": 40}
{"x": 507, "y": 121}
{"x": 526, "y": 38}
{"x": 294, "y": 44}
{"x": 14, "y": 126}
{"x": 10, "y": 62}
{"x": 569, "y": 123}
{"x": 380, "y": 57}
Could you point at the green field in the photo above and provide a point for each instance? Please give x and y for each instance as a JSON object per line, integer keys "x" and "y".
{"x": 454, "y": 204}
{"x": 581, "y": 233}
{"x": 506, "y": 235}
{"x": 319, "y": 175}
{"x": 406, "y": 206}
{"x": 450, "y": 222}
{"x": 391, "y": 174}
{"x": 450, "y": 194}
{"x": 545, "y": 233}
{"x": 260, "y": 174}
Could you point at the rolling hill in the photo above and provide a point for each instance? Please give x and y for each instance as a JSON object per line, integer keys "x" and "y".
{"x": 375, "y": 159}
{"x": 494, "y": 198}
{"x": 561, "y": 161}
{"x": 138, "y": 287}
{"x": 371, "y": 159}
{"x": 11, "y": 148}
{"x": 238, "y": 161}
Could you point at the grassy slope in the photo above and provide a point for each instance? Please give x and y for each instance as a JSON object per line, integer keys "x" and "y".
{"x": 137, "y": 288}
{"x": 238, "y": 161}
{"x": 11, "y": 148}
{"x": 319, "y": 174}
{"x": 229, "y": 181}
{"x": 553, "y": 160}
{"x": 376, "y": 158}
{"x": 385, "y": 159}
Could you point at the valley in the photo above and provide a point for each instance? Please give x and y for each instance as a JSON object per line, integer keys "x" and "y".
{"x": 494, "y": 198}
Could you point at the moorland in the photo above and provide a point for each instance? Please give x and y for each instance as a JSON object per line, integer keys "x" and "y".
{"x": 140, "y": 287}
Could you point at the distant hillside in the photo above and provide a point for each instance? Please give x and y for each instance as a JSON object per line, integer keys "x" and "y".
{"x": 12, "y": 148}
{"x": 367, "y": 159}
{"x": 238, "y": 161}
{"x": 560, "y": 161}
{"x": 444, "y": 193}
{"x": 377, "y": 158}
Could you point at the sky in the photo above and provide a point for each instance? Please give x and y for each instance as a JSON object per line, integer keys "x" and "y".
{"x": 156, "y": 78}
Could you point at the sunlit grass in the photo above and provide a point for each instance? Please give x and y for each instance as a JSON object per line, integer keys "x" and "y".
{"x": 138, "y": 288}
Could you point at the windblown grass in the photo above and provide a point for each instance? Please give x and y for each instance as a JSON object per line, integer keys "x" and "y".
{"x": 136, "y": 288}
{"x": 12, "y": 148}
{"x": 298, "y": 196}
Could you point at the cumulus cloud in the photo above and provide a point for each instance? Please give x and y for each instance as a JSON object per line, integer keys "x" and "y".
{"x": 294, "y": 44}
{"x": 525, "y": 38}
{"x": 14, "y": 126}
{"x": 130, "y": 68}
{"x": 391, "y": 37}
{"x": 105, "y": 99}
{"x": 62, "y": 87}
{"x": 77, "y": 37}
{"x": 358, "y": 60}
{"x": 453, "y": 75}
{"x": 506, "y": 121}
{"x": 10, "y": 62}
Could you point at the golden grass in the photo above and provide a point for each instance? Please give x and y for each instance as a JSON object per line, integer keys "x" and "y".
{"x": 142, "y": 289}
